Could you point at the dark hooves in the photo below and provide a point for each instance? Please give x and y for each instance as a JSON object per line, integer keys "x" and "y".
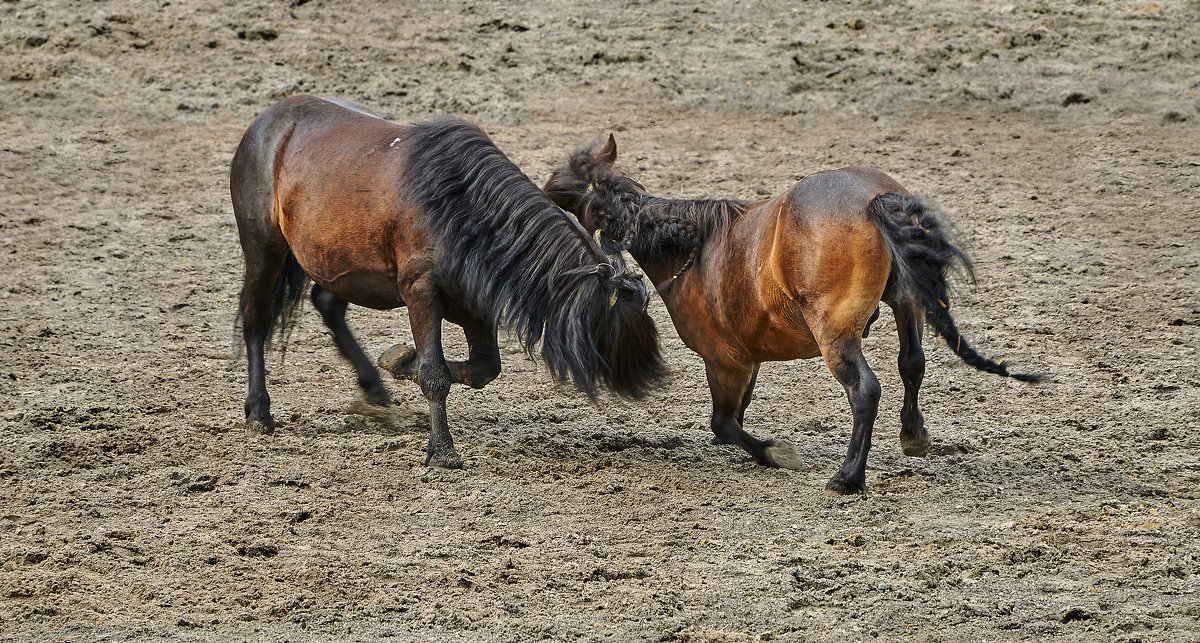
{"x": 255, "y": 428}
{"x": 843, "y": 487}
{"x": 401, "y": 361}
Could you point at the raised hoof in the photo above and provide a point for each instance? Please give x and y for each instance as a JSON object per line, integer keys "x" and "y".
{"x": 844, "y": 487}
{"x": 915, "y": 448}
{"x": 782, "y": 454}
{"x": 446, "y": 459}
{"x": 401, "y": 361}
{"x": 255, "y": 428}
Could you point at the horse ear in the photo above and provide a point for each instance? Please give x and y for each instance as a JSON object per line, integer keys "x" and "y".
{"x": 608, "y": 153}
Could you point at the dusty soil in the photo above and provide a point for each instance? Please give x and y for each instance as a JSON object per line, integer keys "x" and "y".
{"x": 1061, "y": 137}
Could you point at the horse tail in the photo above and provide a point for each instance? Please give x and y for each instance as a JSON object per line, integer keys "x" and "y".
{"x": 599, "y": 331}
{"x": 922, "y": 253}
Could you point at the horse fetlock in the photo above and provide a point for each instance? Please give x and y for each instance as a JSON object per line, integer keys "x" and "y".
{"x": 400, "y": 361}
{"x": 782, "y": 454}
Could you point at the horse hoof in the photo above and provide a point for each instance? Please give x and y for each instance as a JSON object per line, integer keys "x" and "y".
{"x": 915, "y": 448}
{"x": 255, "y": 428}
{"x": 844, "y": 487}
{"x": 367, "y": 408}
{"x": 782, "y": 454}
{"x": 718, "y": 440}
{"x": 401, "y": 361}
{"x": 444, "y": 459}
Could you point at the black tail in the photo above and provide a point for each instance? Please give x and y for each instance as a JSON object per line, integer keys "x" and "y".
{"x": 921, "y": 255}
{"x": 290, "y": 287}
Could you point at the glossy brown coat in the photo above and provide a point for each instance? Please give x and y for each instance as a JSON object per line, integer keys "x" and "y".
{"x": 796, "y": 276}
{"x": 433, "y": 217}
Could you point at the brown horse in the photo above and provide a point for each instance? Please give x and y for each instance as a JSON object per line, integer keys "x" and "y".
{"x": 797, "y": 276}
{"x": 435, "y": 217}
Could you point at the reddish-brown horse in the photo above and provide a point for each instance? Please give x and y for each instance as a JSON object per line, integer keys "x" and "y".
{"x": 435, "y": 217}
{"x": 796, "y": 276}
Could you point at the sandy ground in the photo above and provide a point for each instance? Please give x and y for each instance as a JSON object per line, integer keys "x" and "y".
{"x": 1060, "y": 136}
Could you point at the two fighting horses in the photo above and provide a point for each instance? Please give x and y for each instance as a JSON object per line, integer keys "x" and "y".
{"x": 436, "y": 218}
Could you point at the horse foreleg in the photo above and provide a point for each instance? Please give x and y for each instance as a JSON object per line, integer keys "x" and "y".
{"x": 730, "y": 386}
{"x": 914, "y": 439}
{"x": 747, "y": 397}
{"x": 481, "y": 366}
{"x": 333, "y": 313}
{"x": 483, "y": 360}
{"x": 845, "y": 360}
{"x": 425, "y": 317}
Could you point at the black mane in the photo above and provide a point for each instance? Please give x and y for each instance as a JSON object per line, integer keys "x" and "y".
{"x": 511, "y": 251}
{"x": 671, "y": 226}
{"x": 644, "y": 224}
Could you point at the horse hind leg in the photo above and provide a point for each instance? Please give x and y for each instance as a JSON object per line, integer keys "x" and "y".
{"x": 914, "y": 439}
{"x": 845, "y": 360}
{"x": 255, "y": 309}
{"x": 375, "y": 401}
{"x": 272, "y": 280}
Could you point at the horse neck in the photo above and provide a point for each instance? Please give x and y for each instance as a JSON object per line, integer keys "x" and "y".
{"x": 662, "y": 247}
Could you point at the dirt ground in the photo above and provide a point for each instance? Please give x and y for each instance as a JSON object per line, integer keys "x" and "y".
{"x": 1060, "y": 136}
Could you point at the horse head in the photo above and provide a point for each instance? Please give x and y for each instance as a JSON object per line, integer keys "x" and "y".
{"x": 604, "y": 200}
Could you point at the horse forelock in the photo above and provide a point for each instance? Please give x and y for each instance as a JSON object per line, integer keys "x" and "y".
{"x": 654, "y": 225}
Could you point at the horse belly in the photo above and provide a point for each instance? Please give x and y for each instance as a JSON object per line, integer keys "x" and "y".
{"x": 346, "y": 247}
{"x": 780, "y": 337}
{"x": 368, "y": 281}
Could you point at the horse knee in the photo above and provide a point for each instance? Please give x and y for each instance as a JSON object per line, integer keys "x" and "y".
{"x": 434, "y": 380}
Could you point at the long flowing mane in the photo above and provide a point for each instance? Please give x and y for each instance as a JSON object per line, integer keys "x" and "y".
{"x": 513, "y": 253}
